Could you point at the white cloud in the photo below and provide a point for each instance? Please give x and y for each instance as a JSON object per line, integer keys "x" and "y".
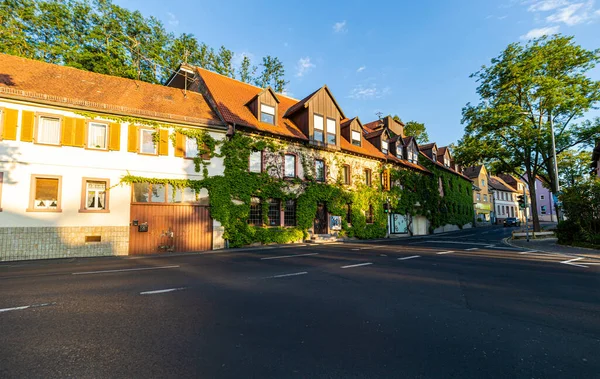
{"x": 340, "y": 27}
{"x": 539, "y": 32}
{"x": 572, "y": 14}
{"x": 173, "y": 20}
{"x": 361, "y": 92}
{"x": 304, "y": 66}
{"x": 361, "y": 68}
{"x": 546, "y": 5}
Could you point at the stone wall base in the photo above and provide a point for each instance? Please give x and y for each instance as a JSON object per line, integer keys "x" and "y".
{"x": 25, "y": 243}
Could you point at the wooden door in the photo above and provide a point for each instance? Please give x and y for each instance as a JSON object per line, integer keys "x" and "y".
{"x": 320, "y": 226}
{"x": 170, "y": 228}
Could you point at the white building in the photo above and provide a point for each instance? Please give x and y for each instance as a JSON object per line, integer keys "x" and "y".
{"x": 68, "y": 137}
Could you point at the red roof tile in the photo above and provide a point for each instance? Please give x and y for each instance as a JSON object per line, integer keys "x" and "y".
{"x": 53, "y": 84}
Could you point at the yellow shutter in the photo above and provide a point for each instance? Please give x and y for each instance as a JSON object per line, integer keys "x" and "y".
{"x": 27, "y": 122}
{"x": 79, "y": 133}
{"x": 10, "y": 118}
{"x": 179, "y": 144}
{"x": 132, "y": 139}
{"x": 386, "y": 180}
{"x": 163, "y": 143}
{"x": 66, "y": 131}
{"x": 114, "y": 136}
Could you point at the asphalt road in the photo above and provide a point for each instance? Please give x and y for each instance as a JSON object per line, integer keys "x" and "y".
{"x": 459, "y": 305}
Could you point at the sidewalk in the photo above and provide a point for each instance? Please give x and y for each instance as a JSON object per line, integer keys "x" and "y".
{"x": 549, "y": 245}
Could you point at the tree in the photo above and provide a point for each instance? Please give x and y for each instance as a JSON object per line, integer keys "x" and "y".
{"x": 417, "y": 130}
{"x": 522, "y": 91}
{"x": 272, "y": 74}
{"x": 247, "y": 71}
{"x": 573, "y": 166}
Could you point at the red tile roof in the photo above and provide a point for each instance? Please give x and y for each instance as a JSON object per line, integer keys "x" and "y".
{"x": 373, "y": 125}
{"x": 59, "y": 85}
{"x": 449, "y": 169}
{"x": 501, "y": 185}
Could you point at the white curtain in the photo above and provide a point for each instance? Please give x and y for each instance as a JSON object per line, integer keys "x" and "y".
{"x": 97, "y": 136}
{"x": 49, "y": 130}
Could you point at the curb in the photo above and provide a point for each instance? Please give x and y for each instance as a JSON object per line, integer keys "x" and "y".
{"x": 507, "y": 242}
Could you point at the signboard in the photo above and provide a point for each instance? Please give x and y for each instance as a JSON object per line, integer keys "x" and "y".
{"x": 335, "y": 222}
{"x": 399, "y": 224}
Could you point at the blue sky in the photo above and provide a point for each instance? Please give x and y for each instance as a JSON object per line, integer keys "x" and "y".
{"x": 411, "y": 58}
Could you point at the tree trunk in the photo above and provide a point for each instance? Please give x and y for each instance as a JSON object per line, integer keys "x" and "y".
{"x": 532, "y": 192}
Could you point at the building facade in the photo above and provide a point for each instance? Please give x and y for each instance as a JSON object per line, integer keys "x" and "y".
{"x": 69, "y": 137}
{"x": 482, "y": 198}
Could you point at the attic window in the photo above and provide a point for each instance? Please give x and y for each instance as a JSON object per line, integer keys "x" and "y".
{"x": 434, "y": 155}
{"x": 331, "y": 131}
{"x": 318, "y": 126}
{"x": 267, "y": 114}
{"x": 399, "y": 149}
{"x": 384, "y": 147}
{"x": 355, "y": 138}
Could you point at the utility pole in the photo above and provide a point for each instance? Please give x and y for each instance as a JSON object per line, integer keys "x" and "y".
{"x": 525, "y": 211}
{"x": 555, "y": 161}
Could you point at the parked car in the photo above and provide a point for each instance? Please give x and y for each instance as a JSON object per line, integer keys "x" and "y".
{"x": 512, "y": 221}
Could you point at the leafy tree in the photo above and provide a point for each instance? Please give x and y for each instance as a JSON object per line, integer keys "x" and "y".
{"x": 522, "y": 91}
{"x": 272, "y": 74}
{"x": 247, "y": 71}
{"x": 573, "y": 166}
{"x": 417, "y": 130}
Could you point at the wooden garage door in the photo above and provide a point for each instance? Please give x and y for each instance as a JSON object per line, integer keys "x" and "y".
{"x": 171, "y": 228}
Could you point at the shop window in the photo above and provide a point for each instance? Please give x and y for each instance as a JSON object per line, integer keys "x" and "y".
{"x": 274, "y": 213}
{"x": 289, "y": 215}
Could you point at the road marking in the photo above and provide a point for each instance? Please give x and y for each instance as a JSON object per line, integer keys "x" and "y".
{"x": 286, "y": 275}
{"x": 288, "y": 256}
{"x": 355, "y": 249}
{"x": 528, "y": 252}
{"x": 445, "y": 252}
{"x": 490, "y": 246}
{"x": 569, "y": 262}
{"x": 25, "y": 307}
{"x": 455, "y": 242}
{"x": 124, "y": 270}
{"x": 358, "y": 265}
{"x": 411, "y": 257}
{"x": 162, "y": 291}
{"x": 471, "y": 249}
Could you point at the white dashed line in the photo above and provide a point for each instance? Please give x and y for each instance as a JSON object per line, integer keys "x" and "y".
{"x": 162, "y": 291}
{"x": 411, "y": 257}
{"x": 358, "y": 265}
{"x": 288, "y": 256}
{"x": 528, "y": 252}
{"x": 445, "y": 252}
{"x": 25, "y": 307}
{"x": 286, "y": 275}
{"x": 471, "y": 249}
{"x": 124, "y": 270}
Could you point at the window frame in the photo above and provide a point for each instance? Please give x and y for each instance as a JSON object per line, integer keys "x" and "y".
{"x": 346, "y": 175}
{"x": 542, "y": 197}
{"x": 33, "y": 187}
{"x": 185, "y": 148}
{"x": 83, "y": 205}
{"x": 254, "y": 203}
{"x": 387, "y": 147}
{"x": 87, "y": 135}
{"x": 324, "y": 178}
{"x": 141, "y": 131}
{"x": 285, "y": 175}
{"x": 261, "y": 161}
{"x": 352, "y": 140}
{"x": 38, "y": 124}
{"x": 287, "y": 212}
{"x": 260, "y": 113}
{"x": 368, "y": 177}
{"x": 328, "y": 134}
{"x": 322, "y": 130}
{"x": 276, "y": 213}
{"x": 168, "y": 194}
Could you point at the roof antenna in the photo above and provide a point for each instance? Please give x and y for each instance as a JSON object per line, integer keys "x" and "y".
{"x": 379, "y": 114}
{"x": 185, "y": 62}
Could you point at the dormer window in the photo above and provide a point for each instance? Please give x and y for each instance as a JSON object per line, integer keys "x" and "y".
{"x": 434, "y": 155}
{"x": 331, "y": 133}
{"x": 446, "y": 162}
{"x": 267, "y": 114}
{"x": 399, "y": 154}
{"x": 384, "y": 147}
{"x": 355, "y": 138}
{"x": 318, "y": 128}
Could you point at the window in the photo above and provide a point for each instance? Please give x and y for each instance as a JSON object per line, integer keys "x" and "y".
{"x": 1, "y": 181}
{"x": 331, "y": 131}
{"x": 289, "y": 171}
{"x": 385, "y": 180}
{"x": 369, "y": 215}
{"x": 478, "y": 197}
{"x": 319, "y": 170}
{"x": 346, "y": 174}
{"x": 446, "y": 162}
{"x": 318, "y": 128}
{"x": 45, "y": 193}
{"x": 274, "y": 213}
{"x": 384, "y": 147}
{"x": 191, "y": 147}
{"x": 349, "y": 213}
{"x": 434, "y": 155}
{"x": 355, "y": 138}
{"x": 399, "y": 151}
{"x": 94, "y": 196}
{"x": 48, "y": 130}
{"x": 161, "y": 193}
{"x": 483, "y": 182}
{"x": 255, "y": 164}
{"x": 485, "y": 198}
{"x": 289, "y": 213}
{"x": 267, "y": 114}
{"x": 97, "y": 135}
{"x": 368, "y": 177}
{"x": 147, "y": 145}
{"x": 543, "y": 209}
{"x": 542, "y": 197}
{"x": 255, "y": 217}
